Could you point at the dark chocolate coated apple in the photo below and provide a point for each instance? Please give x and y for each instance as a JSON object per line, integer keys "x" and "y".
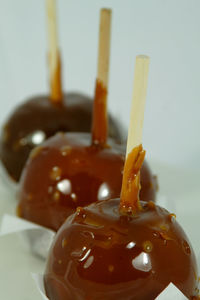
{"x": 38, "y": 119}
{"x": 101, "y": 254}
{"x": 66, "y": 172}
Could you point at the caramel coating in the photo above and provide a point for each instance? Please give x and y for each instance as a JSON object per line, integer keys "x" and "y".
{"x": 100, "y": 255}
{"x": 67, "y": 172}
{"x": 38, "y": 119}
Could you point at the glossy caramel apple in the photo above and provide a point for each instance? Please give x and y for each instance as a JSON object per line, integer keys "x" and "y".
{"x": 101, "y": 254}
{"x": 121, "y": 249}
{"x": 38, "y": 119}
{"x": 68, "y": 171}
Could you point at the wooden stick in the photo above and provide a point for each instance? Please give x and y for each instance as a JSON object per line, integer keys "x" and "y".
{"x": 104, "y": 46}
{"x": 138, "y": 102}
{"x": 54, "y": 55}
{"x": 99, "y": 127}
{"x": 129, "y": 203}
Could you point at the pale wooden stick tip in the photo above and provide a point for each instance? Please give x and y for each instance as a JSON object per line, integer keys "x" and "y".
{"x": 141, "y": 56}
{"x": 104, "y": 46}
{"x": 107, "y": 11}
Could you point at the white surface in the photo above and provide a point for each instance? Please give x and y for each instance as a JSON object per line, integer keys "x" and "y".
{"x": 167, "y": 31}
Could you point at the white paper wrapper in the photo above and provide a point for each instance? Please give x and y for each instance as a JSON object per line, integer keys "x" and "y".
{"x": 37, "y": 238}
{"x": 7, "y": 185}
{"x": 171, "y": 292}
{"x": 38, "y": 278}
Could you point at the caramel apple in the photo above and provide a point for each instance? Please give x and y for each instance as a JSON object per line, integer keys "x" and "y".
{"x": 68, "y": 171}
{"x": 41, "y": 117}
{"x": 38, "y": 119}
{"x": 132, "y": 252}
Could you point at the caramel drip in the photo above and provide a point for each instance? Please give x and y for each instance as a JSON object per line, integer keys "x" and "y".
{"x": 56, "y": 83}
{"x": 130, "y": 202}
{"x": 100, "y": 126}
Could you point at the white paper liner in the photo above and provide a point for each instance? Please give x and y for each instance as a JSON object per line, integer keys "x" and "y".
{"x": 37, "y": 238}
{"x": 7, "y": 184}
{"x": 171, "y": 291}
{"x": 38, "y": 278}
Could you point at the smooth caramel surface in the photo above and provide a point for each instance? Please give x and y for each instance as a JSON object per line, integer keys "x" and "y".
{"x": 38, "y": 119}
{"x": 100, "y": 255}
{"x": 67, "y": 172}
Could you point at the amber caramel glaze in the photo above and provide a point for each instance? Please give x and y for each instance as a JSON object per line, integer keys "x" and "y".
{"x": 100, "y": 255}
{"x": 67, "y": 172}
{"x": 130, "y": 201}
{"x": 40, "y": 117}
{"x": 99, "y": 132}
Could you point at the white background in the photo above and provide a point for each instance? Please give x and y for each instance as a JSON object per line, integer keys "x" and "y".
{"x": 167, "y": 31}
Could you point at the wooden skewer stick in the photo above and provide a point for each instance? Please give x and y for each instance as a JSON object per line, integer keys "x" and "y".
{"x": 135, "y": 154}
{"x": 99, "y": 127}
{"x": 138, "y": 102}
{"x": 104, "y": 46}
{"x": 54, "y": 55}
